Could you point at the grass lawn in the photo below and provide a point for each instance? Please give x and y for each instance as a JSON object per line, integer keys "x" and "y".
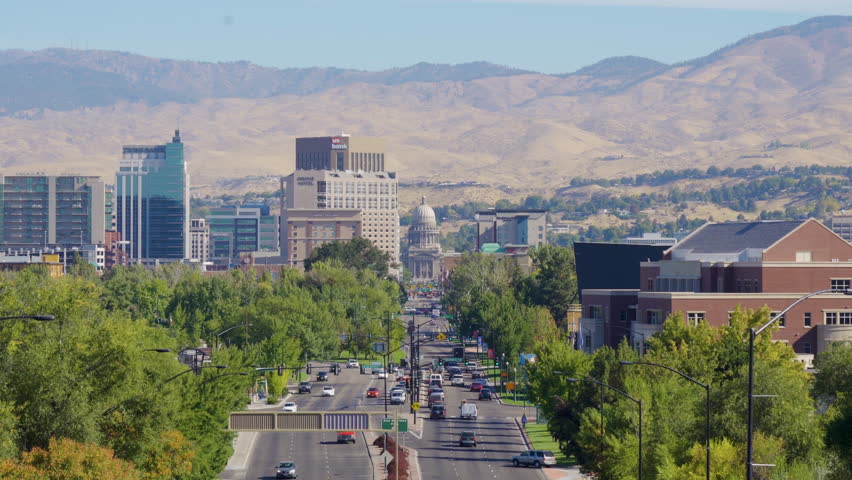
{"x": 509, "y": 399}
{"x": 541, "y": 440}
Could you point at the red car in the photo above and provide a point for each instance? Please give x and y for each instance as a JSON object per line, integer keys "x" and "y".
{"x": 475, "y": 387}
{"x": 373, "y": 392}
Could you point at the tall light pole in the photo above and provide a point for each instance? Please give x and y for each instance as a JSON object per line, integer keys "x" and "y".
{"x": 752, "y": 334}
{"x": 218, "y": 335}
{"x": 638, "y": 402}
{"x": 707, "y": 390}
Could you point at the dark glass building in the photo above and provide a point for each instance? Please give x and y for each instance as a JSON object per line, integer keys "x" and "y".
{"x": 152, "y": 201}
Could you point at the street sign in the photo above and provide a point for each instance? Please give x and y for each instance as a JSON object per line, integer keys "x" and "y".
{"x": 442, "y": 337}
{"x": 510, "y": 386}
{"x": 387, "y": 424}
{"x": 415, "y": 406}
{"x": 402, "y": 425}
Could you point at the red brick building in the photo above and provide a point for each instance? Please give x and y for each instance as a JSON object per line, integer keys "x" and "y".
{"x": 722, "y": 265}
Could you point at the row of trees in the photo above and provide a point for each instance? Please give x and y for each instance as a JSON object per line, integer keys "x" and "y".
{"x": 804, "y": 431}
{"x": 510, "y": 309}
{"x": 90, "y": 391}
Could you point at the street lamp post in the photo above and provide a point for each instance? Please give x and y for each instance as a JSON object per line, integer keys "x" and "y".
{"x": 752, "y": 334}
{"x": 218, "y": 335}
{"x": 638, "y": 402}
{"x": 706, "y": 389}
{"x": 217, "y": 377}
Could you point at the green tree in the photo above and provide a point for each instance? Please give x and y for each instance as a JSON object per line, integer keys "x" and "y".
{"x": 66, "y": 459}
{"x": 356, "y": 254}
{"x": 553, "y": 283}
{"x": 833, "y": 386}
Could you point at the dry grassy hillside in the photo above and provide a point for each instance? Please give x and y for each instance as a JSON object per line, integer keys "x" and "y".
{"x": 532, "y": 133}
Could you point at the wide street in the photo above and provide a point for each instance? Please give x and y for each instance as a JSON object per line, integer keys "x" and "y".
{"x": 318, "y": 456}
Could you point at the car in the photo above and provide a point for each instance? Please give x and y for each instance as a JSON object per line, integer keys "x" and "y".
{"x": 535, "y": 458}
{"x": 285, "y": 470}
{"x": 322, "y": 376}
{"x": 328, "y": 391}
{"x": 290, "y": 407}
{"x": 373, "y": 392}
{"x": 475, "y": 387}
{"x": 486, "y": 394}
{"x": 352, "y": 363}
{"x": 467, "y": 438}
{"x": 435, "y": 388}
{"x": 382, "y": 374}
{"x": 397, "y": 398}
{"x": 398, "y": 388}
{"x": 457, "y": 381}
{"x": 305, "y": 387}
{"x": 468, "y": 410}
{"x": 345, "y": 437}
{"x": 476, "y": 375}
{"x": 436, "y": 383}
{"x": 437, "y": 412}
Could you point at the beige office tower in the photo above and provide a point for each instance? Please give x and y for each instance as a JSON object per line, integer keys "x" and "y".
{"x": 339, "y": 190}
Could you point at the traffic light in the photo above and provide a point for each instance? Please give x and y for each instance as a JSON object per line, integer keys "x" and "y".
{"x": 308, "y": 369}
{"x": 497, "y": 363}
{"x": 408, "y": 384}
{"x": 466, "y": 362}
{"x": 281, "y": 370}
{"x": 440, "y": 362}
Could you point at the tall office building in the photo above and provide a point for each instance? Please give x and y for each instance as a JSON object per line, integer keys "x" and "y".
{"x": 152, "y": 201}
{"x": 336, "y": 175}
{"x": 364, "y": 154}
{"x": 237, "y": 229}
{"x": 42, "y": 210}
{"x": 199, "y": 233}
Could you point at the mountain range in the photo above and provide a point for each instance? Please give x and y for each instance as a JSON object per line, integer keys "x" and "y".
{"x": 71, "y": 110}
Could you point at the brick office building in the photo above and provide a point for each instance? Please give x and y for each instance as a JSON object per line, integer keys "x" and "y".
{"x": 752, "y": 265}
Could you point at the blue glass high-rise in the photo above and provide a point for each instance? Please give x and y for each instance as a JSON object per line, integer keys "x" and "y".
{"x": 152, "y": 201}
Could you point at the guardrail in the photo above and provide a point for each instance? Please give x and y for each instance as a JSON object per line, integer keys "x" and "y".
{"x": 305, "y": 421}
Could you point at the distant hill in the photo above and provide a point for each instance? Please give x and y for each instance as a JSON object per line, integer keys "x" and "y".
{"x": 94, "y": 78}
{"x": 778, "y": 98}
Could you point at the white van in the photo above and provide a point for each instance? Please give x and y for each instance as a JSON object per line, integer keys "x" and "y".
{"x": 397, "y": 397}
{"x": 438, "y": 377}
{"x": 468, "y": 410}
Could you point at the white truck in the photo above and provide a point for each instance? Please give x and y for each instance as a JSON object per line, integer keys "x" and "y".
{"x": 468, "y": 410}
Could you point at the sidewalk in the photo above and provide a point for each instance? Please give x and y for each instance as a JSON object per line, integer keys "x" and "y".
{"x": 379, "y": 460}
{"x": 243, "y": 443}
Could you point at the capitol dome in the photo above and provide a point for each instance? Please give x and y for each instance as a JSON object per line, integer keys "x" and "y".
{"x": 423, "y": 232}
{"x": 424, "y": 215}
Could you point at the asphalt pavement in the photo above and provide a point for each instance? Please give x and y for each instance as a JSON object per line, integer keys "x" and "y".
{"x": 441, "y": 457}
{"x": 317, "y": 454}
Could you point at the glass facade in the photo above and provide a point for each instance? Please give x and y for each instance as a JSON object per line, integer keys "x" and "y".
{"x": 152, "y": 201}
{"x": 236, "y": 229}
{"x": 52, "y": 210}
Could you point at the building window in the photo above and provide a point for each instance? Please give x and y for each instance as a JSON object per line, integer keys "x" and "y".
{"x": 694, "y": 318}
{"x": 650, "y": 285}
{"x": 595, "y": 311}
{"x": 806, "y": 348}
{"x": 803, "y": 256}
{"x": 652, "y": 316}
{"x": 840, "y": 284}
{"x": 807, "y": 319}
{"x": 838, "y": 318}
{"x": 782, "y": 321}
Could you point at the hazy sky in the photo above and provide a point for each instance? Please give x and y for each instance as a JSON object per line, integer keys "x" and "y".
{"x": 552, "y": 36}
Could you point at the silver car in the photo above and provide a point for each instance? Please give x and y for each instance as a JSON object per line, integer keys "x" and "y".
{"x": 535, "y": 458}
